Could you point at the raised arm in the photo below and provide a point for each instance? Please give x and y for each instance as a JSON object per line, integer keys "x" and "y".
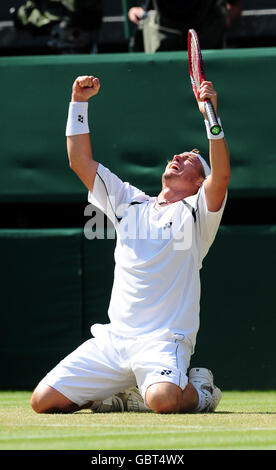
{"x": 217, "y": 183}
{"x": 78, "y": 139}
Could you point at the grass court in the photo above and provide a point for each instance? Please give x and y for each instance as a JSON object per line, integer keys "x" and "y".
{"x": 243, "y": 421}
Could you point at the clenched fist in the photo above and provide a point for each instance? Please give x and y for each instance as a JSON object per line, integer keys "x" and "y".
{"x": 85, "y": 87}
{"x": 206, "y": 92}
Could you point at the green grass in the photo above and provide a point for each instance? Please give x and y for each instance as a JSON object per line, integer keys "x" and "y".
{"x": 243, "y": 421}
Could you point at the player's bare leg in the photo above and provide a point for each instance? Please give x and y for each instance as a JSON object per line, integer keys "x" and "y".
{"x": 166, "y": 397}
{"x": 200, "y": 394}
{"x": 46, "y": 399}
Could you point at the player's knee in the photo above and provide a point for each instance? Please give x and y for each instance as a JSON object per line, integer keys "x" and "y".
{"x": 45, "y": 399}
{"x": 37, "y": 403}
{"x": 163, "y": 397}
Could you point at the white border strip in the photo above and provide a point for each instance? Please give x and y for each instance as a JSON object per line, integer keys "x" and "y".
{"x": 271, "y": 11}
{"x": 114, "y": 19}
{"x": 266, "y": 11}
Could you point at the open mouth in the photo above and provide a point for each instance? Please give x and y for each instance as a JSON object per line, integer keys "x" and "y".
{"x": 173, "y": 166}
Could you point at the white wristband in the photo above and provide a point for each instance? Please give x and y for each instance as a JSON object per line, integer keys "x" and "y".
{"x": 77, "y": 121}
{"x": 210, "y": 135}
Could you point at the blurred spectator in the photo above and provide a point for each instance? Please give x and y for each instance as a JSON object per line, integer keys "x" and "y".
{"x": 162, "y": 25}
{"x": 72, "y": 25}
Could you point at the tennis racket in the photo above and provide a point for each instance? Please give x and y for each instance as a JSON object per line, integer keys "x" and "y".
{"x": 197, "y": 75}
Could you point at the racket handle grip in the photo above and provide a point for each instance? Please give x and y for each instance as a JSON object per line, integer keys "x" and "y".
{"x": 215, "y": 128}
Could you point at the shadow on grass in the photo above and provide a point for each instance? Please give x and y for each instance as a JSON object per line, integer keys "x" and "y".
{"x": 167, "y": 414}
{"x": 245, "y": 413}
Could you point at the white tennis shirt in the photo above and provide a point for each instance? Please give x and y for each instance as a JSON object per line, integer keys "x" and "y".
{"x": 158, "y": 257}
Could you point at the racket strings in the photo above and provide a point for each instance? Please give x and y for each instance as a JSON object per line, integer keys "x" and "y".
{"x": 195, "y": 65}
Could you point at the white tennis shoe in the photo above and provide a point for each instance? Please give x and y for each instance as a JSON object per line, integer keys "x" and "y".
{"x": 203, "y": 379}
{"x": 130, "y": 400}
{"x": 133, "y": 400}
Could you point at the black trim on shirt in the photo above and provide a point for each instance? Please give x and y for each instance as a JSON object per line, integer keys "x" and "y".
{"x": 118, "y": 218}
{"x": 191, "y": 209}
{"x": 131, "y": 204}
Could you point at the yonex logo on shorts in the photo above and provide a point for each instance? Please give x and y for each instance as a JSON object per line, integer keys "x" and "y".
{"x": 166, "y": 372}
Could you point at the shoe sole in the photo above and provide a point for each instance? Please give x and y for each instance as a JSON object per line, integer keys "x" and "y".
{"x": 216, "y": 397}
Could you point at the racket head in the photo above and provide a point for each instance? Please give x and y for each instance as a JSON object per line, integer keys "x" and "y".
{"x": 197, "y": 76}
{"x": 196, "y": 66}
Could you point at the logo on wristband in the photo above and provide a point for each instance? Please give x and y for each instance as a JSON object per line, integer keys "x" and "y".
{"x": 80, "y": 118}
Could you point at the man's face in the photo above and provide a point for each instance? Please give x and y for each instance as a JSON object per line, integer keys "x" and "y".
{"x": 185, "y": 167}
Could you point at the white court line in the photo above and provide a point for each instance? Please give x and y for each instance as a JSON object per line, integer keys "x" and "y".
{"x": 173, "y": 428}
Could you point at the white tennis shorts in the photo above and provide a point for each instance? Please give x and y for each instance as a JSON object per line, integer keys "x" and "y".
{"x": 108, "y": 364}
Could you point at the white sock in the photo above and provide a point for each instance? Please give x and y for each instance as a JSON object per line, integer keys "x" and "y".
{"x": 204, "y": 400}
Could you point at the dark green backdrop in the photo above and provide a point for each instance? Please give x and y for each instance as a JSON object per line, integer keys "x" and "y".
{"x": 144, "y": 113}
{"x": 54, "y": 282}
